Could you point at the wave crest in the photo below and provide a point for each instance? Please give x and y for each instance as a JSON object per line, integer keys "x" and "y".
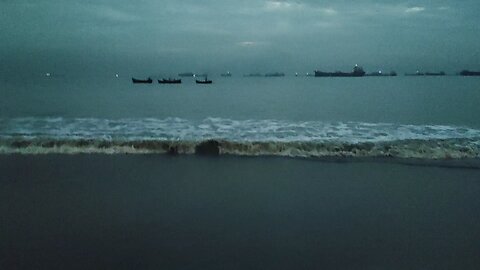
{"x": 237, "y": 137}
{"x": 431, "y": 149}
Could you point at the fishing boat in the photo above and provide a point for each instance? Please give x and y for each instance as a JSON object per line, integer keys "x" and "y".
{"x": 148, "y": 80}
{"x": 170, "y": 81}
{"x": 204, "y": 81}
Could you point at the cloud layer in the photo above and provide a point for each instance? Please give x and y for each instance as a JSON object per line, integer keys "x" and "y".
{"x": 258, "y": 34}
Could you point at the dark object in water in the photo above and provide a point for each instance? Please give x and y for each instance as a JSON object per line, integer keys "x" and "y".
{"x": 275, "y": 74}
{"x": 469, "y": 73}
{"x": 208, "y": 148}
{"x": 357, "y": 72}
{"x": 170, "y": 81}
{"x": 149, "y": 80}
{"x": 204, "y": 81}
{"x": 441, "y": 73}
{"x": 173, "y": 150}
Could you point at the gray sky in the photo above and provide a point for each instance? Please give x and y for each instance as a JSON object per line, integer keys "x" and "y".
{"x": 170, "y": 36}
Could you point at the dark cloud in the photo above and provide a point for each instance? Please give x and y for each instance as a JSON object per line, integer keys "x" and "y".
{"x": 133, "y": 36}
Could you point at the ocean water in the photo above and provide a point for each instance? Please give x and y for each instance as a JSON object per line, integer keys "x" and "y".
{"x": 406, "y": 117}
{"x": 382, "y": 173}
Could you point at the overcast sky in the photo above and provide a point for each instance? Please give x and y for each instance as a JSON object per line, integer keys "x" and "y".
{"x": 170, "y": 36}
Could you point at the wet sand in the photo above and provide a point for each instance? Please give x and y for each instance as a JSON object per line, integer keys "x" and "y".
{"x": 190, "y": 212}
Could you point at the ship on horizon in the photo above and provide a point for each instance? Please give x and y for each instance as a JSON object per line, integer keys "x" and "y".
{"x": 469, "y": 73}
{"x": 356, "y": 72}
{"x": 381, "y": 74}
{"x": 419, "y": 73}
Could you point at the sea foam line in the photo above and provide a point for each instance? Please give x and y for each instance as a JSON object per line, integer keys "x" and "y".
{"x": 420, "y": 149}
{"x": 171, "y": 129}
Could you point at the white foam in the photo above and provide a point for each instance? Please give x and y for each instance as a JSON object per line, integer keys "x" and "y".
{"x": 225, "y": 129}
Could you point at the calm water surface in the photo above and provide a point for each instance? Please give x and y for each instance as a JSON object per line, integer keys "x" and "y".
{"x": 448, "y": 100}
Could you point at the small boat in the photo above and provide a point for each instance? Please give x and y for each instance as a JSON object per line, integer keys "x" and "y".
{"x": 149, "y": 80}
{"x": 170, "y": 81}
{"x": 204, "y": 81}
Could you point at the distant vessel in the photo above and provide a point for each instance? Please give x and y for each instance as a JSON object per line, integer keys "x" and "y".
{"x": 418, "y": 73}
{"x": 228, "y": 74}
{"x": 170, "y": 81}
{"x": 186, "y": 74}
{"x": 204, "y": 81}
{"x": 149, "y": 80}
{"x": 253, "y": 75}
{"x": 275, "y": 74}
{"x": 441, "y": 73}
{"x": 381, "y": 74}
{"x": 357, "y": 72}
{"x": 469, "y": 73}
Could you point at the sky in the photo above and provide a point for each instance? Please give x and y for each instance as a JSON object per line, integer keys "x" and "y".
{"x": 171, "y": 36}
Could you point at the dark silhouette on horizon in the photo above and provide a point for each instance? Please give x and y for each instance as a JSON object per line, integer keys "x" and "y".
{"x": 170, "y": 81}
{"x": 357, "y": 72}
{"x": 148, "y": 80}
{"x": 469, "y": 73}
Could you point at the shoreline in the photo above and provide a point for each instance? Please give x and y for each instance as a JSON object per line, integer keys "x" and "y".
{"x": 460, "y": 163}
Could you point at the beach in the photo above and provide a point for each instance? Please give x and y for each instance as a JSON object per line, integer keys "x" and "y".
{"x": 154, "y": 211}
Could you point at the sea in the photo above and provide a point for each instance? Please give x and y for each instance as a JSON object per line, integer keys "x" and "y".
{"x": 308, "y": 117}
{"x": 245, "y": 173}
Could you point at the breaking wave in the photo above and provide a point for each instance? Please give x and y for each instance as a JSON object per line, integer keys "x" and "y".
{"x": 237, "y": 137}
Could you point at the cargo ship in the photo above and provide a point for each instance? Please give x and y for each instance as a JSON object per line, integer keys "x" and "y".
{"x": 356, "y": 72}
{"x": 469, "y": 73}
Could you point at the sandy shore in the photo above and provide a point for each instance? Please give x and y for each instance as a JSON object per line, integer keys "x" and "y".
{"x": 190, "y": 212}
